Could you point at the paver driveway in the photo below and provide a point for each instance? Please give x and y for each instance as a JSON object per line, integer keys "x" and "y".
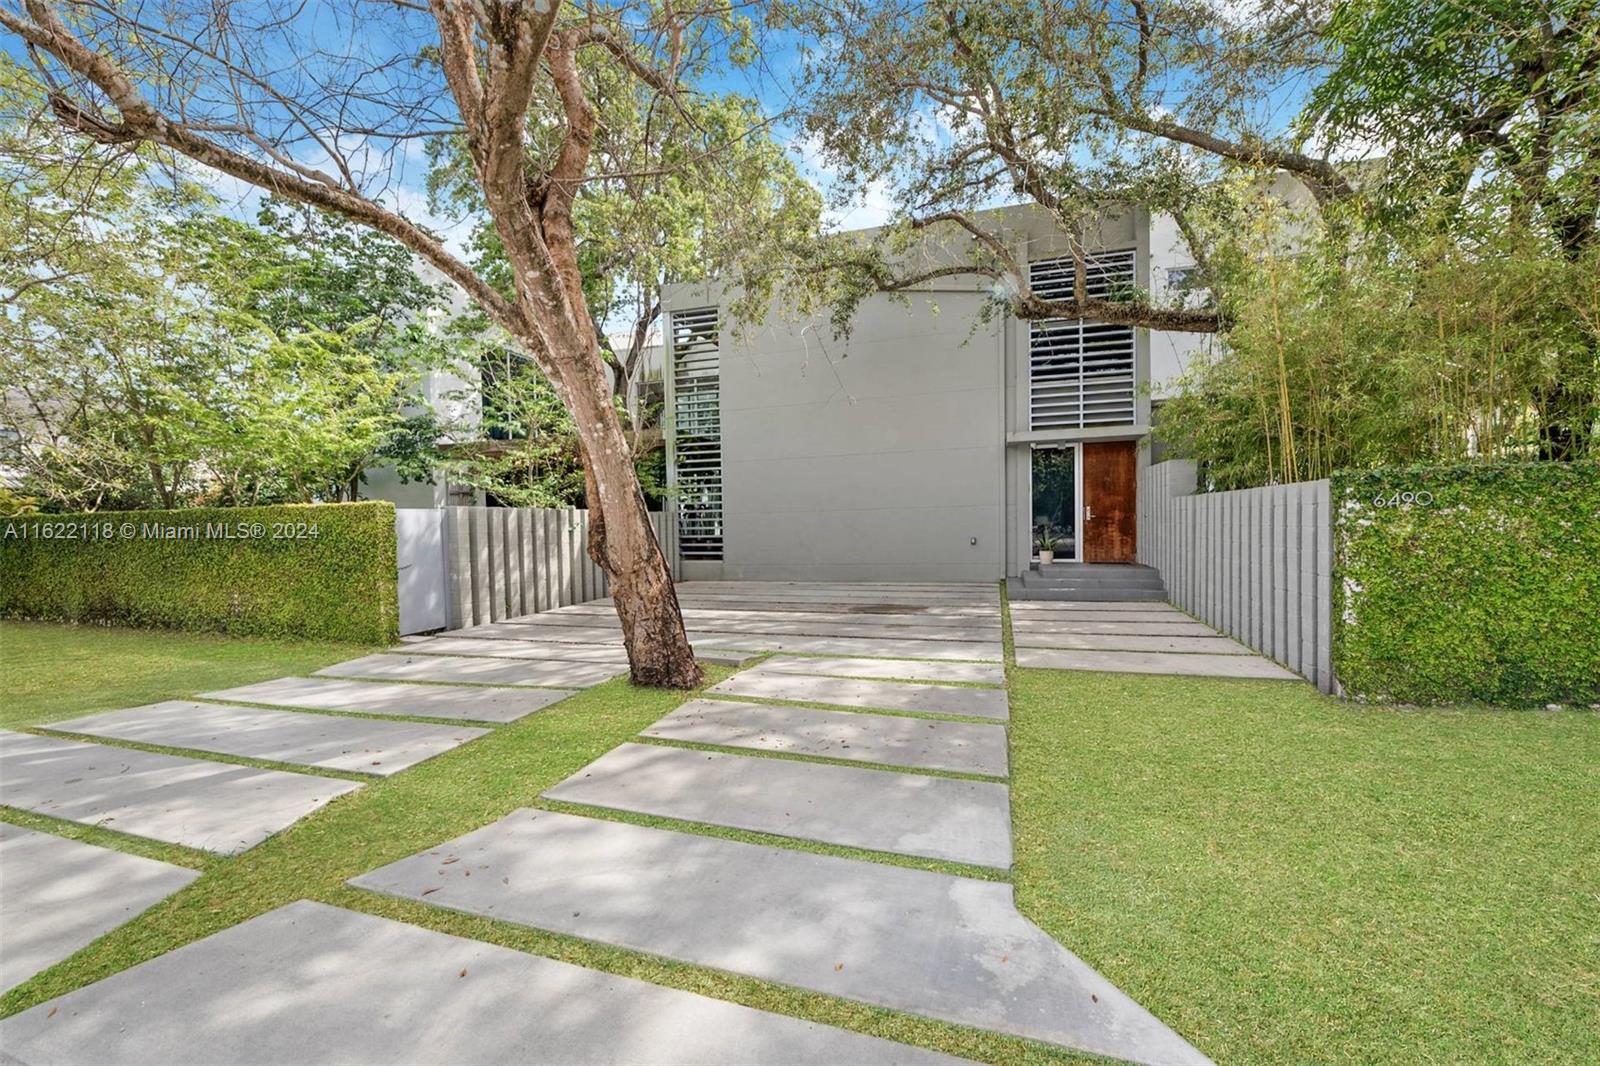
{"x": 907, "y": 686}
{"x": 877, "y": 731}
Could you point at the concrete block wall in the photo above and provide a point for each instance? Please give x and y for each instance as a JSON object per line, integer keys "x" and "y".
{"x": 1255, "y": 563}
{"x": 502, "y": 562}
{"x": 877, "y": 457}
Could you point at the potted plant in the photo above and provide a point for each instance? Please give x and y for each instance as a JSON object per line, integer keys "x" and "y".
{"x": 1047, "y": 542}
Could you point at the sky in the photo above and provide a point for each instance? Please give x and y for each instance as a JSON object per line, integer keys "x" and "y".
{"x": 323, "y": 40}
{"x": 324, "y": 36}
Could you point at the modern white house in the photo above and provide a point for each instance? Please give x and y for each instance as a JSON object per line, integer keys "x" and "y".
{"x": 933, "y": 443}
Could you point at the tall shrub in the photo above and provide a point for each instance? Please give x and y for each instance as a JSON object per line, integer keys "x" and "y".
{"x": 1384, "y": 352}
{"x": 1471, "y": 582}
{"x": 322, "y": 571}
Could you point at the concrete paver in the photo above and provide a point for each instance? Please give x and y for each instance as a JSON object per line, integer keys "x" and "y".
{"x": 882, "y": 695}
{"x": 922, "y": 743}
{"x": 361, "y": 745}
{"x": 58, "y": 895}
{"x": 201, "y": 804}
{"x": 407, "y": 667}
{"x": 313, "y": 983}
{"x": 887, "y": 669}
{"x": 471, "y": 702}
{"x": 1156, "y": 662}
{"x": 881, "y": 810}
{"x": 927, "y": 943}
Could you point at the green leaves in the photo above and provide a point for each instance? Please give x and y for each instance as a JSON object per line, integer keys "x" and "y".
{"x": 278, "y": 579}
{"x": 1378, "y": 348}
{"x": 1487, "y": 593}
{"x": 164, "y": 354}
{"x": 1481, "y": 112}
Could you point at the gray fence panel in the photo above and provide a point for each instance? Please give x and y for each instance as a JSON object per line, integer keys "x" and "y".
{"x": 458, "y": 566}
{"x": 422, "y": 565}
{"x": 544, "y": 545}
{"x": 501, "y": 562}
{"x": 495, "y": 522}
{"x": 1255, "y": 563}
{"x": 568, "y": 577}
{"x": 524, "y": 604}
{"x": 482, "y": 593}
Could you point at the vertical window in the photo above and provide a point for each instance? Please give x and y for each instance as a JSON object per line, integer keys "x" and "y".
{"x": 697, "y": 432}
{"x": 1080, "y": 372}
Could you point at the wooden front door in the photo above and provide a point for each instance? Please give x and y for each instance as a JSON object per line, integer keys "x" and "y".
{"x": 1110, "y": 501}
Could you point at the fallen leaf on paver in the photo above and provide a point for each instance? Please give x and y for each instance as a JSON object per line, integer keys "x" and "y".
{"x": 463, "y": 972}
{"x": 839, "y": 967}
{"x": 429, "y": 891}
{"x": 52, "y": 1013}
{"x": 1094, "y": 997}
{"x": 451, "y": 859}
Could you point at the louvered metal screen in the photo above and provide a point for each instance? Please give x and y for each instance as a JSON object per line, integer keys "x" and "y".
{"x": 697, "y": 432}
{"x": 1080, "y": 372}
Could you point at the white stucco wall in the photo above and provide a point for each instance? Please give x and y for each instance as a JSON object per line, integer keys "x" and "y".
{"x": 885, "y": 456}
{"x": 1170, "y": 353}
{"x": 876, "y": 458}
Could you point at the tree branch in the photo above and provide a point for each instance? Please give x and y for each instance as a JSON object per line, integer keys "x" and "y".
{"x": 139, "y": 121}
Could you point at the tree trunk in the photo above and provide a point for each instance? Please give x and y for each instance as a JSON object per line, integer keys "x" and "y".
{"x": 652, "y": 621}
{"x": 621, "y": 539}
{"x": 492, "y": 56}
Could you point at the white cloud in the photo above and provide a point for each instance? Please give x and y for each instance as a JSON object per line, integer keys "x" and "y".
{"x": 846, "y": 208}
{"x": 392, "y": 177}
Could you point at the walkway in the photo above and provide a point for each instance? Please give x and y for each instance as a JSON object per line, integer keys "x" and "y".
{"x": 1144, "y": 638}
{"x": 870, "y": 765}
{"x": 888, "y": 763}
{"x": 222, "y": 776}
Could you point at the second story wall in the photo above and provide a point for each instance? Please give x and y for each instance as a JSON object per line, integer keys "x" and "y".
{"x": 877, "y": 457}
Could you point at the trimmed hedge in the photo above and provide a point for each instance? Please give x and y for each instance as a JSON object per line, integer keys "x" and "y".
{"x": 1485, "y": 588}
{"x": 324, "y": 571}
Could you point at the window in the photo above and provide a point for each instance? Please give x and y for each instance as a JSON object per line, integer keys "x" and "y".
{"x": 1081, "y": 372}
{"x": 697, "y": 431}
{"x": 1182, "y": 280}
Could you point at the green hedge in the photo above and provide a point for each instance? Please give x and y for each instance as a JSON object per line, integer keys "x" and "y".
{"x": 1487, "y": 592}
{"x": 320, "y": 571}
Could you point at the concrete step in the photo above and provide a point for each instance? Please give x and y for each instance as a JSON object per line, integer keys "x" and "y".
{"x": 1060, "y": 569}
{"x": 1132, "y": 578}
{"x": 1098, "y": 594}
{"x": 1106, "y": 586}
{"x": 1092, "y": 583}
{"x": 1111, "y": 588}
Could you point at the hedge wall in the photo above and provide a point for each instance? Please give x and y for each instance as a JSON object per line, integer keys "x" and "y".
{"x": 1481, "y": 585}
{"x": 319, "y": 571}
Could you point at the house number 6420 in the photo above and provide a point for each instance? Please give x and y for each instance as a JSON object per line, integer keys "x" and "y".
{"x": 1421, "y": 499}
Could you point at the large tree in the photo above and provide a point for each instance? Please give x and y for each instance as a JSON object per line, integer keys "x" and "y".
{"x": 1072, "y": 106}
{"x": 685, "y": 189}
{"x": 1457, "y": 314}
{"x": 1483, "y": 109}
{"x": 312, "y": 101}
{"x": 157, "y": 353}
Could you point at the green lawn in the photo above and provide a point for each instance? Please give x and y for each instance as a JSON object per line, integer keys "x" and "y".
{"x": 390, "y": 819}
{"x": 1284, "y": 877}
{"x": 53, "y": 672}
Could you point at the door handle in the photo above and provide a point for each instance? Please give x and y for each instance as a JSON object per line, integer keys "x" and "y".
{"x": 1088, "y": 513}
